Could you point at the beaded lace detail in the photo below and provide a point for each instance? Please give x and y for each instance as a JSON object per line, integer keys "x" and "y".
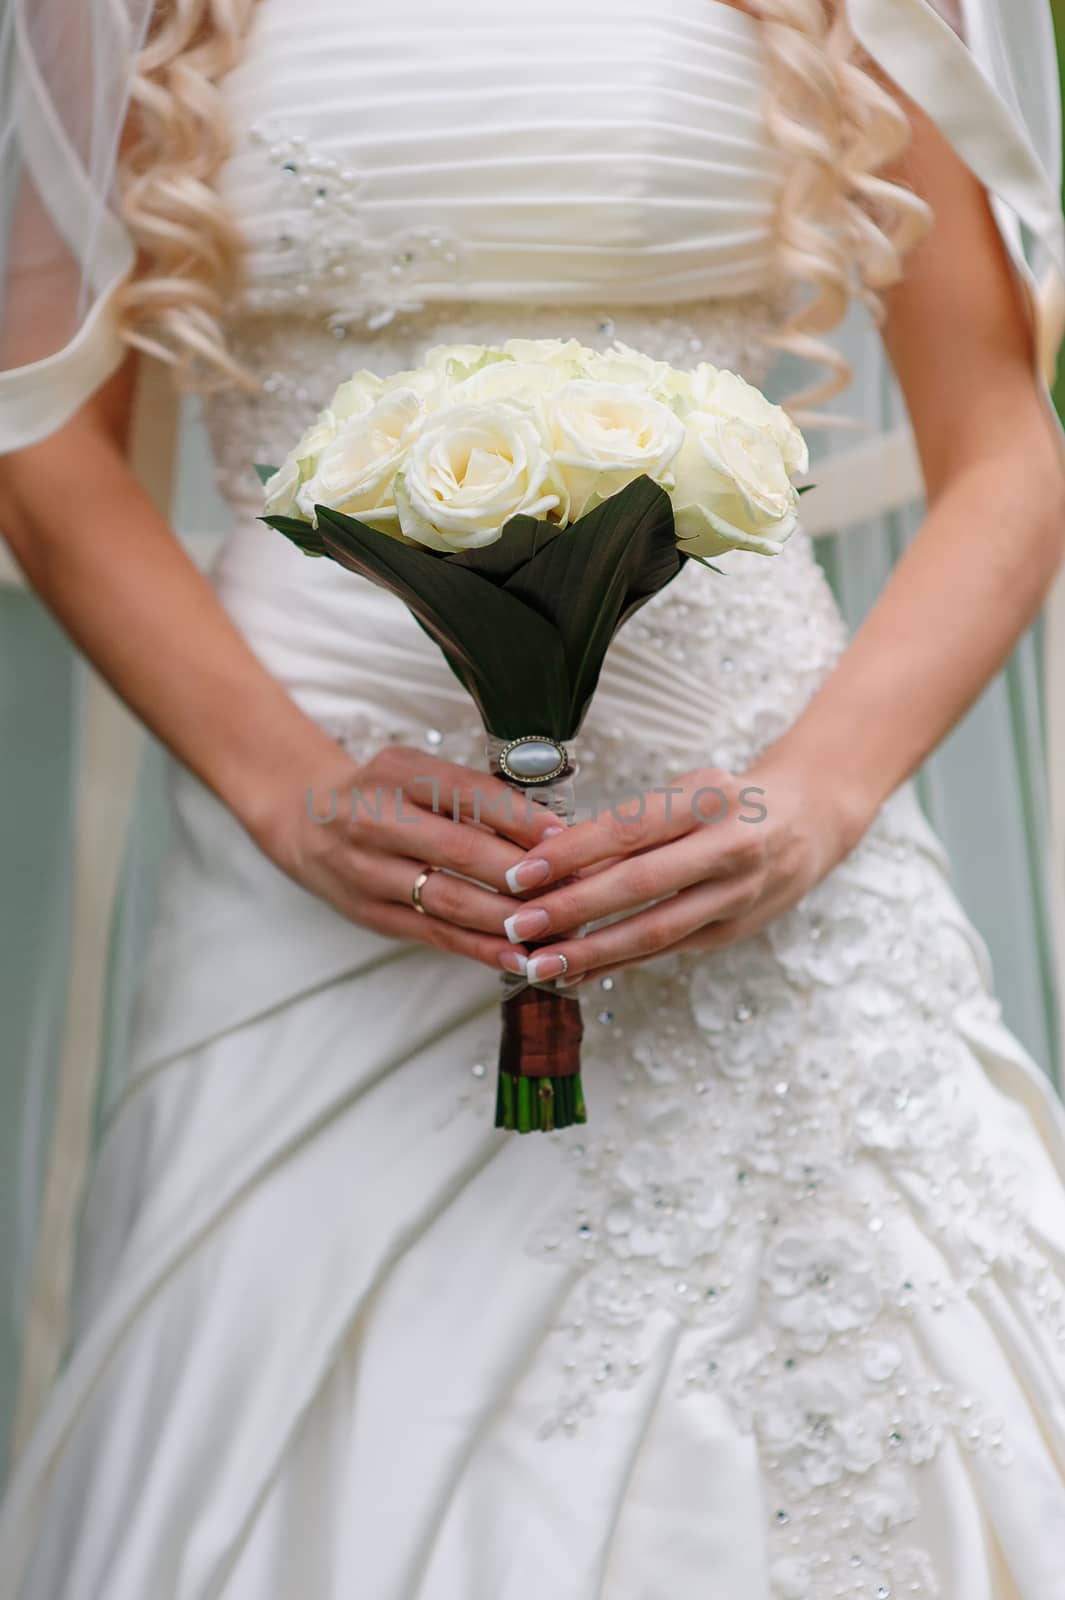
{"x": 766, "y": 1123}
{"x": 326, "y": 259}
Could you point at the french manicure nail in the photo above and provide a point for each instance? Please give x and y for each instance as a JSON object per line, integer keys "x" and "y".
{"x": 541, "y": 967}
{"x": 513, "y": 961}
{"x": 525, "y": 924}
{"x": 526, "y": 874}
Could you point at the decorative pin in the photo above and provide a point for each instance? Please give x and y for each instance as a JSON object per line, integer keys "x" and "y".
{"x": 534, "y": 758}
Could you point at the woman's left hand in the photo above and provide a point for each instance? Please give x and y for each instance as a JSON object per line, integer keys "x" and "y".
{"x": 720, "y": 855}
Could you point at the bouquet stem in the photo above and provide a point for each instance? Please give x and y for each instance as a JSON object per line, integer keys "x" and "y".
{"x": 540, "y": 1062}
{"x": 539, "y": 1086}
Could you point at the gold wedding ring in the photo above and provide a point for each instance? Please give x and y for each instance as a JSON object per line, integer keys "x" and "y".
{"x": 416, "y": 892}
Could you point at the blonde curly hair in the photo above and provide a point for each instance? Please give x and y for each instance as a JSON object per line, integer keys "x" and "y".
{"x": 190, "y": 249}
{"x": 842, "y": 231}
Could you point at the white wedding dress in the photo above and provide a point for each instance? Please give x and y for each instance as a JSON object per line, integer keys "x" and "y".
{"x": 786, "y": 1317}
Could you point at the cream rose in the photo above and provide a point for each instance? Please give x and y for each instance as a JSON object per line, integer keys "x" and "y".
{"x": 732, "y": 488}
{"x": 554, "y": 352}
{"x": 362, "y": 392}
{"x": 603, "y": 436}
{"x": 728, "y": 395}
{"x": 451, "y": 366}
{"x": 356, "y": 471}
{"x": 510, "y": 381}
{"x": 470, "y": 470}
{"x": 321, "y": 433}
{"x": 623, "y": 365}
{"x": 451, "y": 357}
{"x": 357, "y": 395}
{"x": 446, "y": 454}
{"x": 281, "y": 491}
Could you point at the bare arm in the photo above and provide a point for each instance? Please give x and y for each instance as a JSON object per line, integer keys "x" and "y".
{"x": 973, "y": 580}
{"x": 956, "y": 604}
{"x": 97, "y": 552}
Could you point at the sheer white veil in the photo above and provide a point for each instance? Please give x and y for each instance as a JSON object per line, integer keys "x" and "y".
{"x": 984, "y": 70}
{"x": 66, "y": 83}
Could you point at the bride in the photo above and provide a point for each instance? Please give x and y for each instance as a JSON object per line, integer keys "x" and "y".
{"x": 786, "y": 1317}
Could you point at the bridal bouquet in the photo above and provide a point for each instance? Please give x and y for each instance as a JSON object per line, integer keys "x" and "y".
{"x": 524, "y": 500}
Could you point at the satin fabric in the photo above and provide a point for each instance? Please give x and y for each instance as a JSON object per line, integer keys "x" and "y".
{"x": 643, "y": 171}
{"x": 295, "y": 1372}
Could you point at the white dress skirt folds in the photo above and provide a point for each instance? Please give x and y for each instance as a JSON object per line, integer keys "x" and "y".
{"x": 785, "y": 1320}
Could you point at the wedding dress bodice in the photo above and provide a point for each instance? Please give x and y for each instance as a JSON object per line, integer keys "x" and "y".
{"x": 589, "y": 169}
{"x": 561, "y": 152}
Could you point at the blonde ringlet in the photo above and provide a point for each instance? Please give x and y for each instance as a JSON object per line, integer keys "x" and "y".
{"x": 842, "y": 229}
{"x": 190, "y": 250}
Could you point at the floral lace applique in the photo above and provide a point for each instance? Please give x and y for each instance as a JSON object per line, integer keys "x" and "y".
{"x": 327, "y": 258}
{"x": 768, "y": 1122}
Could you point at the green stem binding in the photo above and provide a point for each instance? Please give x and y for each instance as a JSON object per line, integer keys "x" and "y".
{"x": 537, "y": 1105}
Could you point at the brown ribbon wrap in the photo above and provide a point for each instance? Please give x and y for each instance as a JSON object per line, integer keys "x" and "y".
{"x": 541, "y": 1034}
{"x": 542, "y": 1027}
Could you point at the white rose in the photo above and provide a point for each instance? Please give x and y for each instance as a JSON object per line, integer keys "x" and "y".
{"x": 676, "y": 388}
{"x": 510, "y": 381}
{"x": 357, "y": 395}
{"x": 621, "y": 364}
{"x": 604, "y": 436}
{"x": 419, "y": 379}
{"x": 364, "y": 389}
{"x": 470, "y": 470}
{"x": 727, "y": 394}
{"x": 450, "y": 366}
{"x": 552, "y": 352}
{"x": 523, "y": 370}
{"x": 356, "y": 472}
{"x": 281, "y": 490}
{"x": 321, "y": 432}
{"x": 732, "y": 488}
{"x": 563, "y": 357}
{"x": 446, "y": 357}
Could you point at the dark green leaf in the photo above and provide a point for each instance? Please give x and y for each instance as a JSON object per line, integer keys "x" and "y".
{"x": 521, "y": 538}
{"x": 509, "y": 658}
{"x": 263, "y": 473}
{"x": 804, "y": 488}
{"x": 302, "y": 534}
{"x": 597, "y": 573}
{"x": 703, "y": 562}
{"x": 524, "y": 623}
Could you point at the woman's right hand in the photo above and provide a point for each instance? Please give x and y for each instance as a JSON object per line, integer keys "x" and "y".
{"x": 104, "y": 561}
{"x": 358, "y": 836}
